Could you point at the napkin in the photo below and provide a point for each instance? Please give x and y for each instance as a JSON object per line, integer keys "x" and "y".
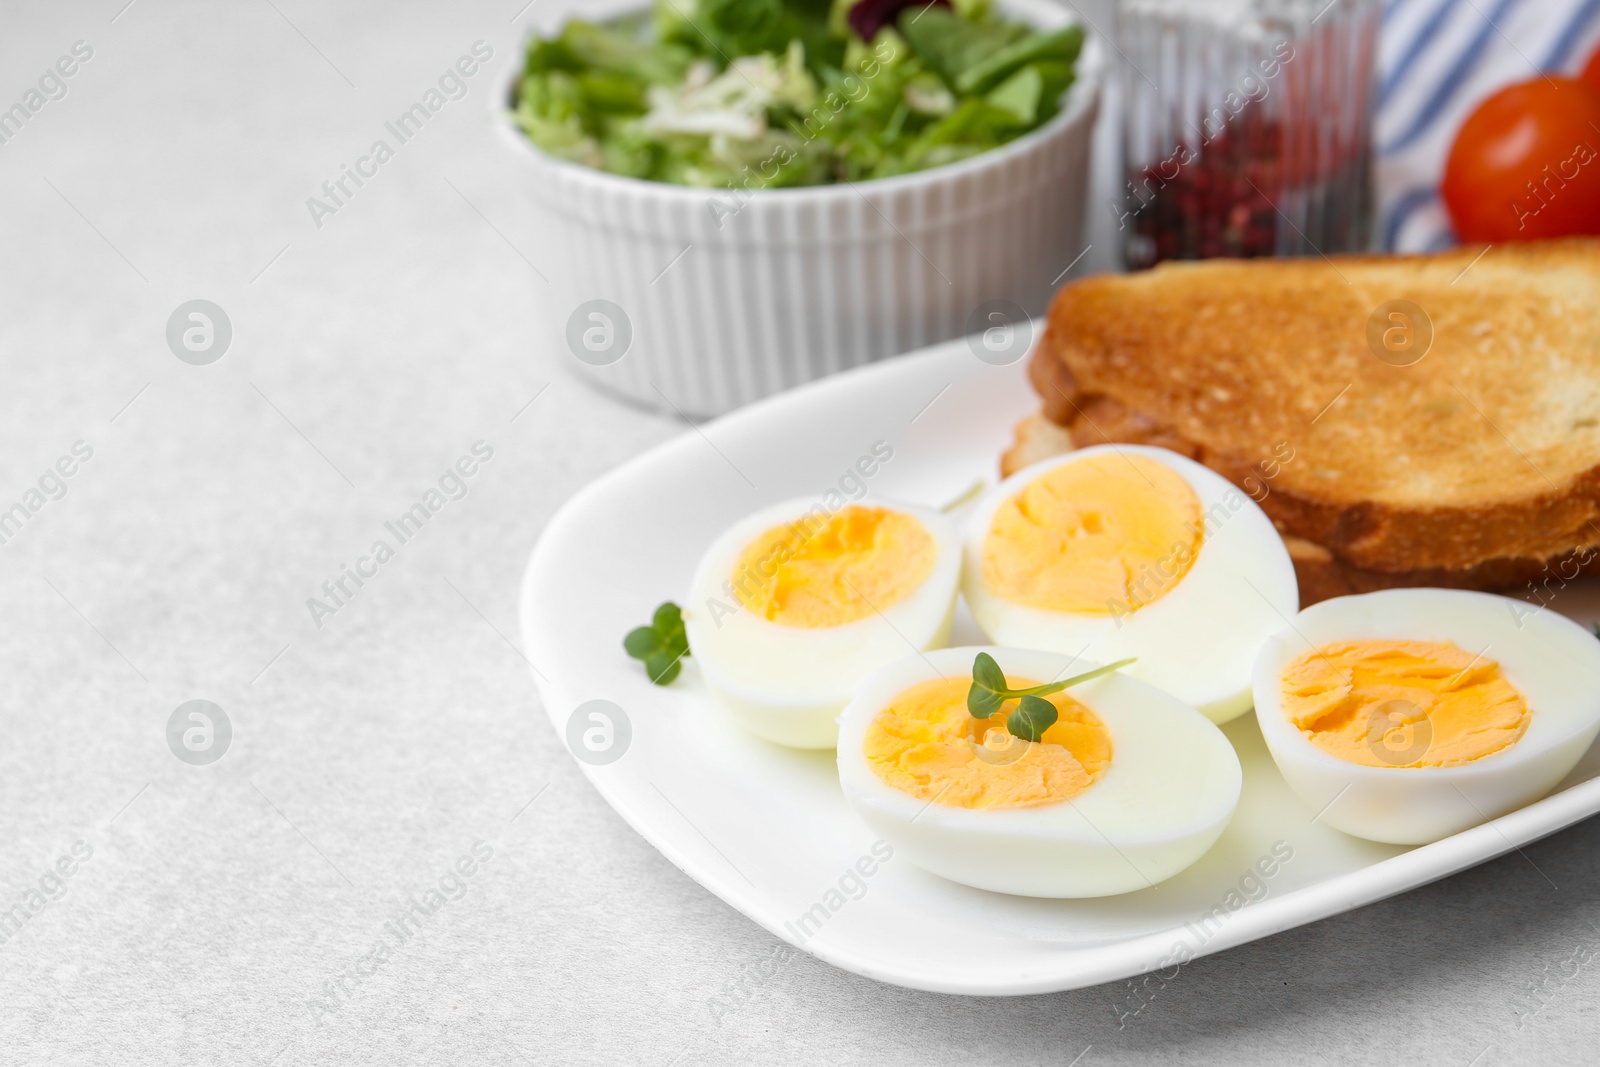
{"x": 1437, "y": 60}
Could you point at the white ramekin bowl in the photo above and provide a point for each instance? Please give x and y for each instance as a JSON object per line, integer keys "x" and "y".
{"x": 656, "y": 296}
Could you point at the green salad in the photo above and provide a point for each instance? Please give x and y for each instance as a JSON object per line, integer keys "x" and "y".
{"x": 774, "y": 93}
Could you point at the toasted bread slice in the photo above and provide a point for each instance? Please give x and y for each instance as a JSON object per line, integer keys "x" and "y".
{"x": 1322, "y": 575}
{"x": 1037, "y": 438}
{"x": 1486, "y": 449}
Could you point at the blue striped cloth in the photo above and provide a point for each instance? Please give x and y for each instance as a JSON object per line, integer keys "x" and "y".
{"x": 1437, "y": 60}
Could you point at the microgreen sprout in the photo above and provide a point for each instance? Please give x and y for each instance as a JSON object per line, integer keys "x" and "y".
{"x": 1033, "y": 714}
{"x": 660, "y": 645}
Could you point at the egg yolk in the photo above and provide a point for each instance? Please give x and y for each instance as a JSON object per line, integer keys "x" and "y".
{"x": 926, "y": 744}
{"x": 1104, "y": 535}
{"x": 828, "y": 572}
{"x": 1403, "y": 703}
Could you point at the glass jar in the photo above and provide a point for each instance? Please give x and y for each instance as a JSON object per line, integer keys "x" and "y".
{"x": 1247, "y": 127}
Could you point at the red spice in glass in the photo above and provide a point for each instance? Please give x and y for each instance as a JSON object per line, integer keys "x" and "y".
{"x": 1212, "y": 200}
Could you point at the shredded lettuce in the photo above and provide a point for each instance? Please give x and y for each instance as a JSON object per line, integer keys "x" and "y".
{"x": 770, "y": 93}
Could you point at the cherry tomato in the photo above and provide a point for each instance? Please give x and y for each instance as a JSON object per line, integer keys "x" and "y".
{"x": 1526, "y": 164}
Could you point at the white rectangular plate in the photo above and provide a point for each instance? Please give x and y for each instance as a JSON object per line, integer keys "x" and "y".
{"x": 767, "y": 829}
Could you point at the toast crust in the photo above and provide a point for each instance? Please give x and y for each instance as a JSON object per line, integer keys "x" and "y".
{"x": 1322, "y": 575}
{"x": 1486, "y": 449}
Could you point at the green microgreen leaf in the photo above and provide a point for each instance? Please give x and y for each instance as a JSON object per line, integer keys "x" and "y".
{"x": 988, "y": 690}
{"x": 663, "y": 667}
{"x": 1034, "y": 715}
{"x": 668, "y": 622}
{"x": 661, "y": 645}
{"x": 642, "y": 642}
{"x": 989, "y": 693}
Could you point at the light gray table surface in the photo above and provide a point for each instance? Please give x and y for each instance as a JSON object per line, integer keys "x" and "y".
{"x": 212, "y": 909}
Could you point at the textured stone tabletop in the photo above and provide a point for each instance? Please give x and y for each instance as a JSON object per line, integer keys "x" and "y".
{"x": 390, "y": 778}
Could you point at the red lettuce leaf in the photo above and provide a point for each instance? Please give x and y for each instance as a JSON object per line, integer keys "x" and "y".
{"x": 870, "y": 16}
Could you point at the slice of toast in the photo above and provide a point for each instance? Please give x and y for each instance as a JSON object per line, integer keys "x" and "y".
{"x": 1484, "y": 450}
{"x": 1036, "y": 438}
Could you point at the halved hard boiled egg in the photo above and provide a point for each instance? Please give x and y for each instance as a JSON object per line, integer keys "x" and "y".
{"x": 1124, "y": 550}
{"x": 1128, "y": 787}
{"x": 793, "y": 606}
{"x": 1411, "y": 714}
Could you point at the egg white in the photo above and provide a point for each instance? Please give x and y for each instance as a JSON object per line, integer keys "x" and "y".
{"x": 1171, "y": 788}
{"x": 787, "y": 683}
{"x": 1553, "y": 662}
{"x": 1199, "y": 640}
